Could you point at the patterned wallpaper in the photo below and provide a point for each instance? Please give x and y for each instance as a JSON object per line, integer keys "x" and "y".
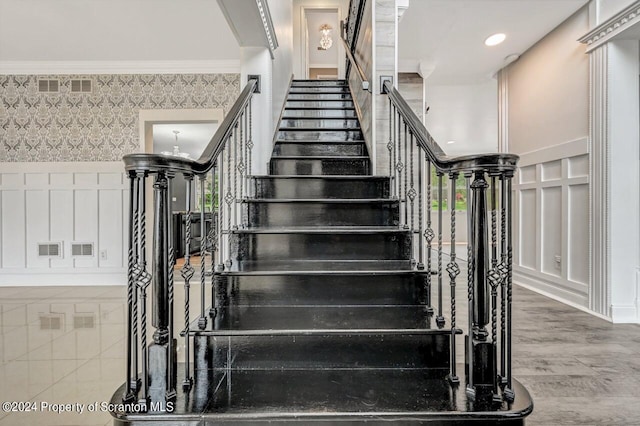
{"x": 101, "y": 125}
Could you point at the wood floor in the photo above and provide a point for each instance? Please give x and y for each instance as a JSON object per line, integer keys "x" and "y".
{"x": 580, "y": 370}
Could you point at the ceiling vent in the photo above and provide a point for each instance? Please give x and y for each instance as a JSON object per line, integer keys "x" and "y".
{"x": 81, "y": 249}
{"x": 48, "y": 86}
{"x": 81, "y": 86}
{"x": 51, "y": 321}
{"x": 50, "y": 249}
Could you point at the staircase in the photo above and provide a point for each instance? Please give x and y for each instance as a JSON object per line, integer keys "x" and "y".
{"x": 321, "y": 315}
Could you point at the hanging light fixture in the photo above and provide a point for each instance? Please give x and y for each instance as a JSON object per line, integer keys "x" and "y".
{"x": 325, "y": 40}
{"x": 176, "y": 148}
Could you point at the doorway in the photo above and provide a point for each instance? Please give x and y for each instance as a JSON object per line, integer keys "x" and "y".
{"x": 321, "y": 44}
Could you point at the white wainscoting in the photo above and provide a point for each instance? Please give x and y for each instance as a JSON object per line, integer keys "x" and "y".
{"x": 63, "y": 203}
{"x": 551, "y": 222}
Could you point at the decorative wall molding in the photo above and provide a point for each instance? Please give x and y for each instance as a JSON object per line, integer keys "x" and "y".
{"x": 599, "y": 244}
{"x": 503, "y": 110}
{"x": 267, "y": 23}
{"x": 119, "y": 67}
{"x": 611, "y": 28}
{"x": 551, "y": 222}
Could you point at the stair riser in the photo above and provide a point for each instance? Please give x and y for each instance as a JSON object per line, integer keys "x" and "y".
{"x": 337, "y": 246}
{"x": 318, "y": 83}
{"x": 319, "y": 352}
{"x": 322, "y": 214}
{"x": 321, "y": 123}
{"x": 280, "y": 166}
{"x": 320, "y": 149}
{"x": 323, "y": 289}
{"x": 320, "y": 135}
{"x": 319, "y": 97}
{"x": 319, "y": 89}
{"x": 313, "y": 188}
{"x": 319, "y": 104}
{"x": 313, "y": 113}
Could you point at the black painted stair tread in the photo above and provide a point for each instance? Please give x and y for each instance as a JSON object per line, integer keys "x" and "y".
{"x": 323, "y": 397}
{"x": 306, "y": 319}
{"x": 336, "y": 230}
{"x": 327, "y": 287}
{"x": 328, "y": 266}
{"x": 291, "y": 113}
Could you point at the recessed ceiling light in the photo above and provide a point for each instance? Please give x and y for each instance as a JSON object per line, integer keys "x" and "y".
{"x": 450, "y": 142}
{"x": 495, "y": 39}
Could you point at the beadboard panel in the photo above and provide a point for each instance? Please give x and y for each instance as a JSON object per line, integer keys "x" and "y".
{"x": 62, "y": 203}
{"x": 551, "y": 222}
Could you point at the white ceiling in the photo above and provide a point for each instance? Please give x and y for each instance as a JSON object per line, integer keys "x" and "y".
{"x": 192, "y": 139}
{"x": 114, "y": 30}
{"x": 447, "y": 36}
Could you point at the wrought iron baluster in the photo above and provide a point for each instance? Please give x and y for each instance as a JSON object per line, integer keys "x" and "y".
{"x": 213, "y": 239}
{"x": 470, "y": 274}
{"x": 412, "y": 196}
{"x": 406, "y": 190}
{"x": 221, "y": 232}
{"x": 132, "y": 317}
{"x": 395, "y": 150}
{"x": 420, "y": 208}
{"x": 235, "y": 177}
{"x": 187, "y": 273}
{"x": 399, "y": 165}
{"x": 240, "y": 166}
{"x": 202, "y": 321}
{"x": 249, "y": 142}
{"x": 454, "y": 270}
{"x": 229, "y": 200}
{"x": 171, "y": 363}
{"x": 440, "y": 318}
{"x": 503, "y": 273}
{"x": 494, "y": 281}
{"x": 508, "y": 391}
{"x": 390, "y": 143}
{"x": 428, "y": 233}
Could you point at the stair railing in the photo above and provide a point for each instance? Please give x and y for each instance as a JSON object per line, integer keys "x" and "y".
{"x": 222, "y": 177}
{"x": 420, "y": 171}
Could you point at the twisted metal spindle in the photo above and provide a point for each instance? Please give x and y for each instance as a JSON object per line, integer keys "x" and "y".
{"x": 399, "y": 164}
{"x": 428, "y": 233}
{"x": 440, "y": 318}
{"x": 202, "y": 321}
{"x": 241, "y": 163}
{"x": 187, "y": 273}
{"x": 132, "y": 349}
{"x": 454, "y": 270}
{"x": 503, "y": 287}
{"x": 235, "y": 177}
{"x": 406, "y": 178}
{"x": 508, "y": 392}
{"x": 229, "y": 200}
{"x": 249, "y": 142}
{"x": 171, "y": 385}
{"x": 470, "y": 266}
{"x": 390, "y": 143}
{"x": 144, "y": 279}
{"x": 420, "y": 207}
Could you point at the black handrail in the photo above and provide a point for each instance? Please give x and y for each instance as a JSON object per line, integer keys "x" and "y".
{"x": 491, "y": 163}
{"x": 160, "y": 162}
{"x": 354, "y": 62}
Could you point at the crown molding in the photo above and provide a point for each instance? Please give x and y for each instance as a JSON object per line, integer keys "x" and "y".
{"x": 120, "y": 67}
{"x": 619, "y": 23}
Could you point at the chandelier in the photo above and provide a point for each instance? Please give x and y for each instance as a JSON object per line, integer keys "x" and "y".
{"x": 325, "y": 40}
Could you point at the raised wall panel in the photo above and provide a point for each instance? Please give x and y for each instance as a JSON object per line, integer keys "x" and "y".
{"x": 551, "y": 230}
{"x": 13, "y": 229}
{"x": 578, "y": 233}
{"x": 85, "y": 178}
{"x": 528, "y": 229}
{"x": 110, "y": 178}
{"x": 36, "y": 179}
{"x": 552, "y": 170}
{"x": 37, "y": 216}
{"x": 579, "y": 166}
{"x": 527, "y": 174}
{"x": 61, "y": 179}
{"x": 110, "y": 228}
{"x": 86, "y": 225}
{"x": 62, "y": 223}
{"x": 12, "y": 179}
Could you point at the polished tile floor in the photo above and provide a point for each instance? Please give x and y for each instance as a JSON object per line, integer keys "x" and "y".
{"x": 65, "y": 345}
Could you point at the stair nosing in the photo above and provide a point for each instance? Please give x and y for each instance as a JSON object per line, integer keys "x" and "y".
{"x": 321, "y": 200}
{"x": 324, "y": 331}
{"x": 363, "y": 272}
{"x": 320, "y": 129}
{"x": 324, "y": 230}
{"x": 309, "y": 141}
{"x": 318, "y": 157}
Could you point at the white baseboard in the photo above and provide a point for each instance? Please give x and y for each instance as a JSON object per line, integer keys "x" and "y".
{"x": 54, "y": 279}
{"x": 625, "y": 314}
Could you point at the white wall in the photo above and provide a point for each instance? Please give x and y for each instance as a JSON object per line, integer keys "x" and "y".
{"x": 62, "y": 202}
{"x": 466, "y": 114}
{"x": 298, "y": 35}
{"x": 323, "y": 58}
{"x": 548, "y": 126}
{"x": 282, "y": 15}
{"x": 549, "y": 89}
{"x": 606, "y": 9}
